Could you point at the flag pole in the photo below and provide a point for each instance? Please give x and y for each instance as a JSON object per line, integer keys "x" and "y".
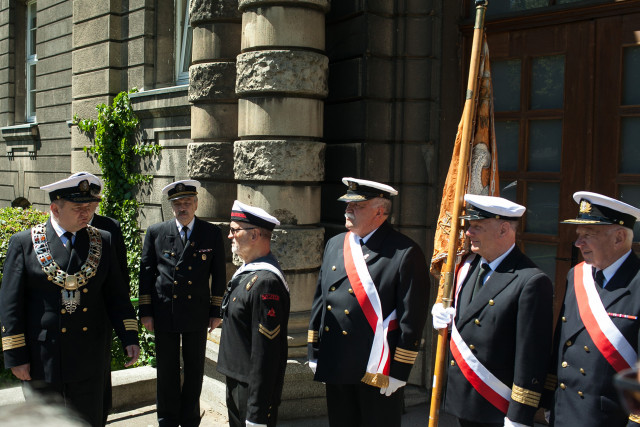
{"x": 449, "y": 267}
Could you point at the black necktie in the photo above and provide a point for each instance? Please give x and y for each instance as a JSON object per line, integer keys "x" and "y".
{"x": 69, "y": 244}
{"x": 185, "y": 230}
{"x": 484, "y": 270}
{"x": 598, "y": 277}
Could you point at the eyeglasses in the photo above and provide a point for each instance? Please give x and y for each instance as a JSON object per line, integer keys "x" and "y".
{"x": 628, "y": 389}
{"x": 235, "y": 230}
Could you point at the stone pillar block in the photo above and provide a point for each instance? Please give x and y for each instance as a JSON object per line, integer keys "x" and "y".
{"x": 279, "y": 160}
{"x": 210, "y": 160}
{"x": 212, "y": 81}
{"x": 302, "y": 287}
{"x": 214, "y": 121}
{"x": 215, "y": 200}
{"x": 292, "y": 205}
{"x": 217, "y": 40}
{"x": 322, "y": 5}
{"x": 293, "y": 72}
{"x": 271, "y": 26}
{"x": 267, "y": 116}
{"x": 201, "y": 11}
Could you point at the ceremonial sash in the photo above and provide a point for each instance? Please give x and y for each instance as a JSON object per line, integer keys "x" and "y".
{"x": 607, "y": 338}
{"x": 485, "y": 383}
{"x": 255, "y": 266}
{"x": 365, "y": 291}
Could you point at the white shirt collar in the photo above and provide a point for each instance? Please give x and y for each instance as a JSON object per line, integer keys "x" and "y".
{"x": 59, "y": 230}
{"x": 368, "y": 236}
{"x": 189, "y": 226}
{"x": 613, "y": 268}
{"x": 496, "y": 262}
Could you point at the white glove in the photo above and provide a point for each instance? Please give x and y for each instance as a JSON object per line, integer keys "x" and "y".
{"x": 509, "y": 423}
{"x": 442, "y": 317}
{"x": 547, "y": 415}
{"x": 394, "y": 385}
{"x": 313, "y": 364}
{"x": 249, "y": 423}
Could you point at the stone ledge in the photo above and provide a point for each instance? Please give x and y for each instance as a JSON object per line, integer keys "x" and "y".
{"x": 169, "y": 101}
{"x": 20, "y": 138}
{"x": 131, "y": 387}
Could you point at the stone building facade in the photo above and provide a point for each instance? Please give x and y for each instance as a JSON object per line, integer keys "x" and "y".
{"x": 273, "y": 101}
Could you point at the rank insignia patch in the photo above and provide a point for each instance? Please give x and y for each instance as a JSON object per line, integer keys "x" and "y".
{"x": 271, "y": 313}
{"x": 270, "y": 297}
{"x": 251, "y": 282}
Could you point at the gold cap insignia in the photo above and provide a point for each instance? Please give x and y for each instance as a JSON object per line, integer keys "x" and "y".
{"x": 353, "y": 185}
{"x": 84, "y": 185}
{"x": 585, "y": 207}
{"x": 180, "y": 188}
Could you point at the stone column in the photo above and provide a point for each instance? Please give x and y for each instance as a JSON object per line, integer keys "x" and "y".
{"x": 279, "y": 157}
{"x": 96, "y": 67}
{"x": 214, "y": 110}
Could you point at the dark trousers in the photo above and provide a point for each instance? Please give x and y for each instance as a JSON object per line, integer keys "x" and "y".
{"x": 107, "y": 394}
{"x": 353, "y": 405}
{"x": 179, "y": 405}
{"x": 83, "y": 398}
{"x": 467, "y": 423}
{"x": 237, "y": 398}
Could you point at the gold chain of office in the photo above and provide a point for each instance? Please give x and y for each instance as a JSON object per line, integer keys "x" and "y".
{"x": 69, "y": 282}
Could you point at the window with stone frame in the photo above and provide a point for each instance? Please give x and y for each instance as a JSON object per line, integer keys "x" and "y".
{"x": 31, "y": 60}
{"x": 183, "y": 38}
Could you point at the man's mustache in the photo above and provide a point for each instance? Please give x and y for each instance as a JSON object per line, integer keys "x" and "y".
{"x": 349, "y": 216}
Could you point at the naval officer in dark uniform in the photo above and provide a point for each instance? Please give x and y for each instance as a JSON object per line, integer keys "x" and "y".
{"x": 253, "y": 345}
{"x": 182, "y": 279}
{"x": 368, "y": 312}
{"x": 597, "y": 334}
{"x": 112, "y": 226}
{"x": 501, "y": 336}
{"x": 60, "y": 284}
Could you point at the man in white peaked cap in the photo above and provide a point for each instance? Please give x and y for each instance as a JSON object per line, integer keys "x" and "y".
{"x": 502, "y": 322}
{"x": 597, "y": 334}
{"x": 368, "y": 312}
{"x": 253, "y": 345}
{"x": 106, "y": 223}
{"x": 182, "y": 277}
{"x": 61, "y": 283}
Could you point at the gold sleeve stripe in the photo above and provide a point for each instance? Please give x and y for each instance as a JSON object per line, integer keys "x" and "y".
{"x": 312, "y": 336}
{"x": 130, "y": 324}
{"x": 13, "y": 341}
{"x": 216, "y": 300}
{"x": 634, "y": 418}
{"x": 271, "y": 334}
{"x": 524, "y": 396}
{"x": 551, "y": 382}
{"x": 144, "y": 299}
{"x": 405, "y": 356}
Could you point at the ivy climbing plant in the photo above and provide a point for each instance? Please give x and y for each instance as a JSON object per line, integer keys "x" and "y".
{"x": 118, "y": 150}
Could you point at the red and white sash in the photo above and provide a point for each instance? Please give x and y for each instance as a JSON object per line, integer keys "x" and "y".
{"x": 485, "y": 383}
{"x": 609, "y": 340}
{"x": 365, "y": 291}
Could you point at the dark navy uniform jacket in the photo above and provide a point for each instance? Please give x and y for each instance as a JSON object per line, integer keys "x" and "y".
{"x": 62, "y": 347}
{"x": 253, "y": 345}
{"x": 508, "y": 327}
{"x": 581, "y": 378}
{"x": 181, "y": 288}
{"x": 340, "y": 337}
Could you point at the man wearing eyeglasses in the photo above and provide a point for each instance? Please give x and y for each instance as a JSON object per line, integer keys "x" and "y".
{"x": 182, "y": 277}
{"x": 253, "y": 345}
{"x": 368, "y": 312}
{"x": 597, "y": 334}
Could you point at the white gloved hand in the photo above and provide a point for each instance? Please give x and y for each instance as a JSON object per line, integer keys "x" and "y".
{"x": 442, "y": 317}
{"x": 313, "y": 364}
{"x": 394, "y": 385}
{"x": 547, "y": 415}
{"x": 249, "y": 423}
{"x": 509, "y": 423}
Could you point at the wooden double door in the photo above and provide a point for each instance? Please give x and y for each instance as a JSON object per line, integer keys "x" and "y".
{"x": 567, "y": 111}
